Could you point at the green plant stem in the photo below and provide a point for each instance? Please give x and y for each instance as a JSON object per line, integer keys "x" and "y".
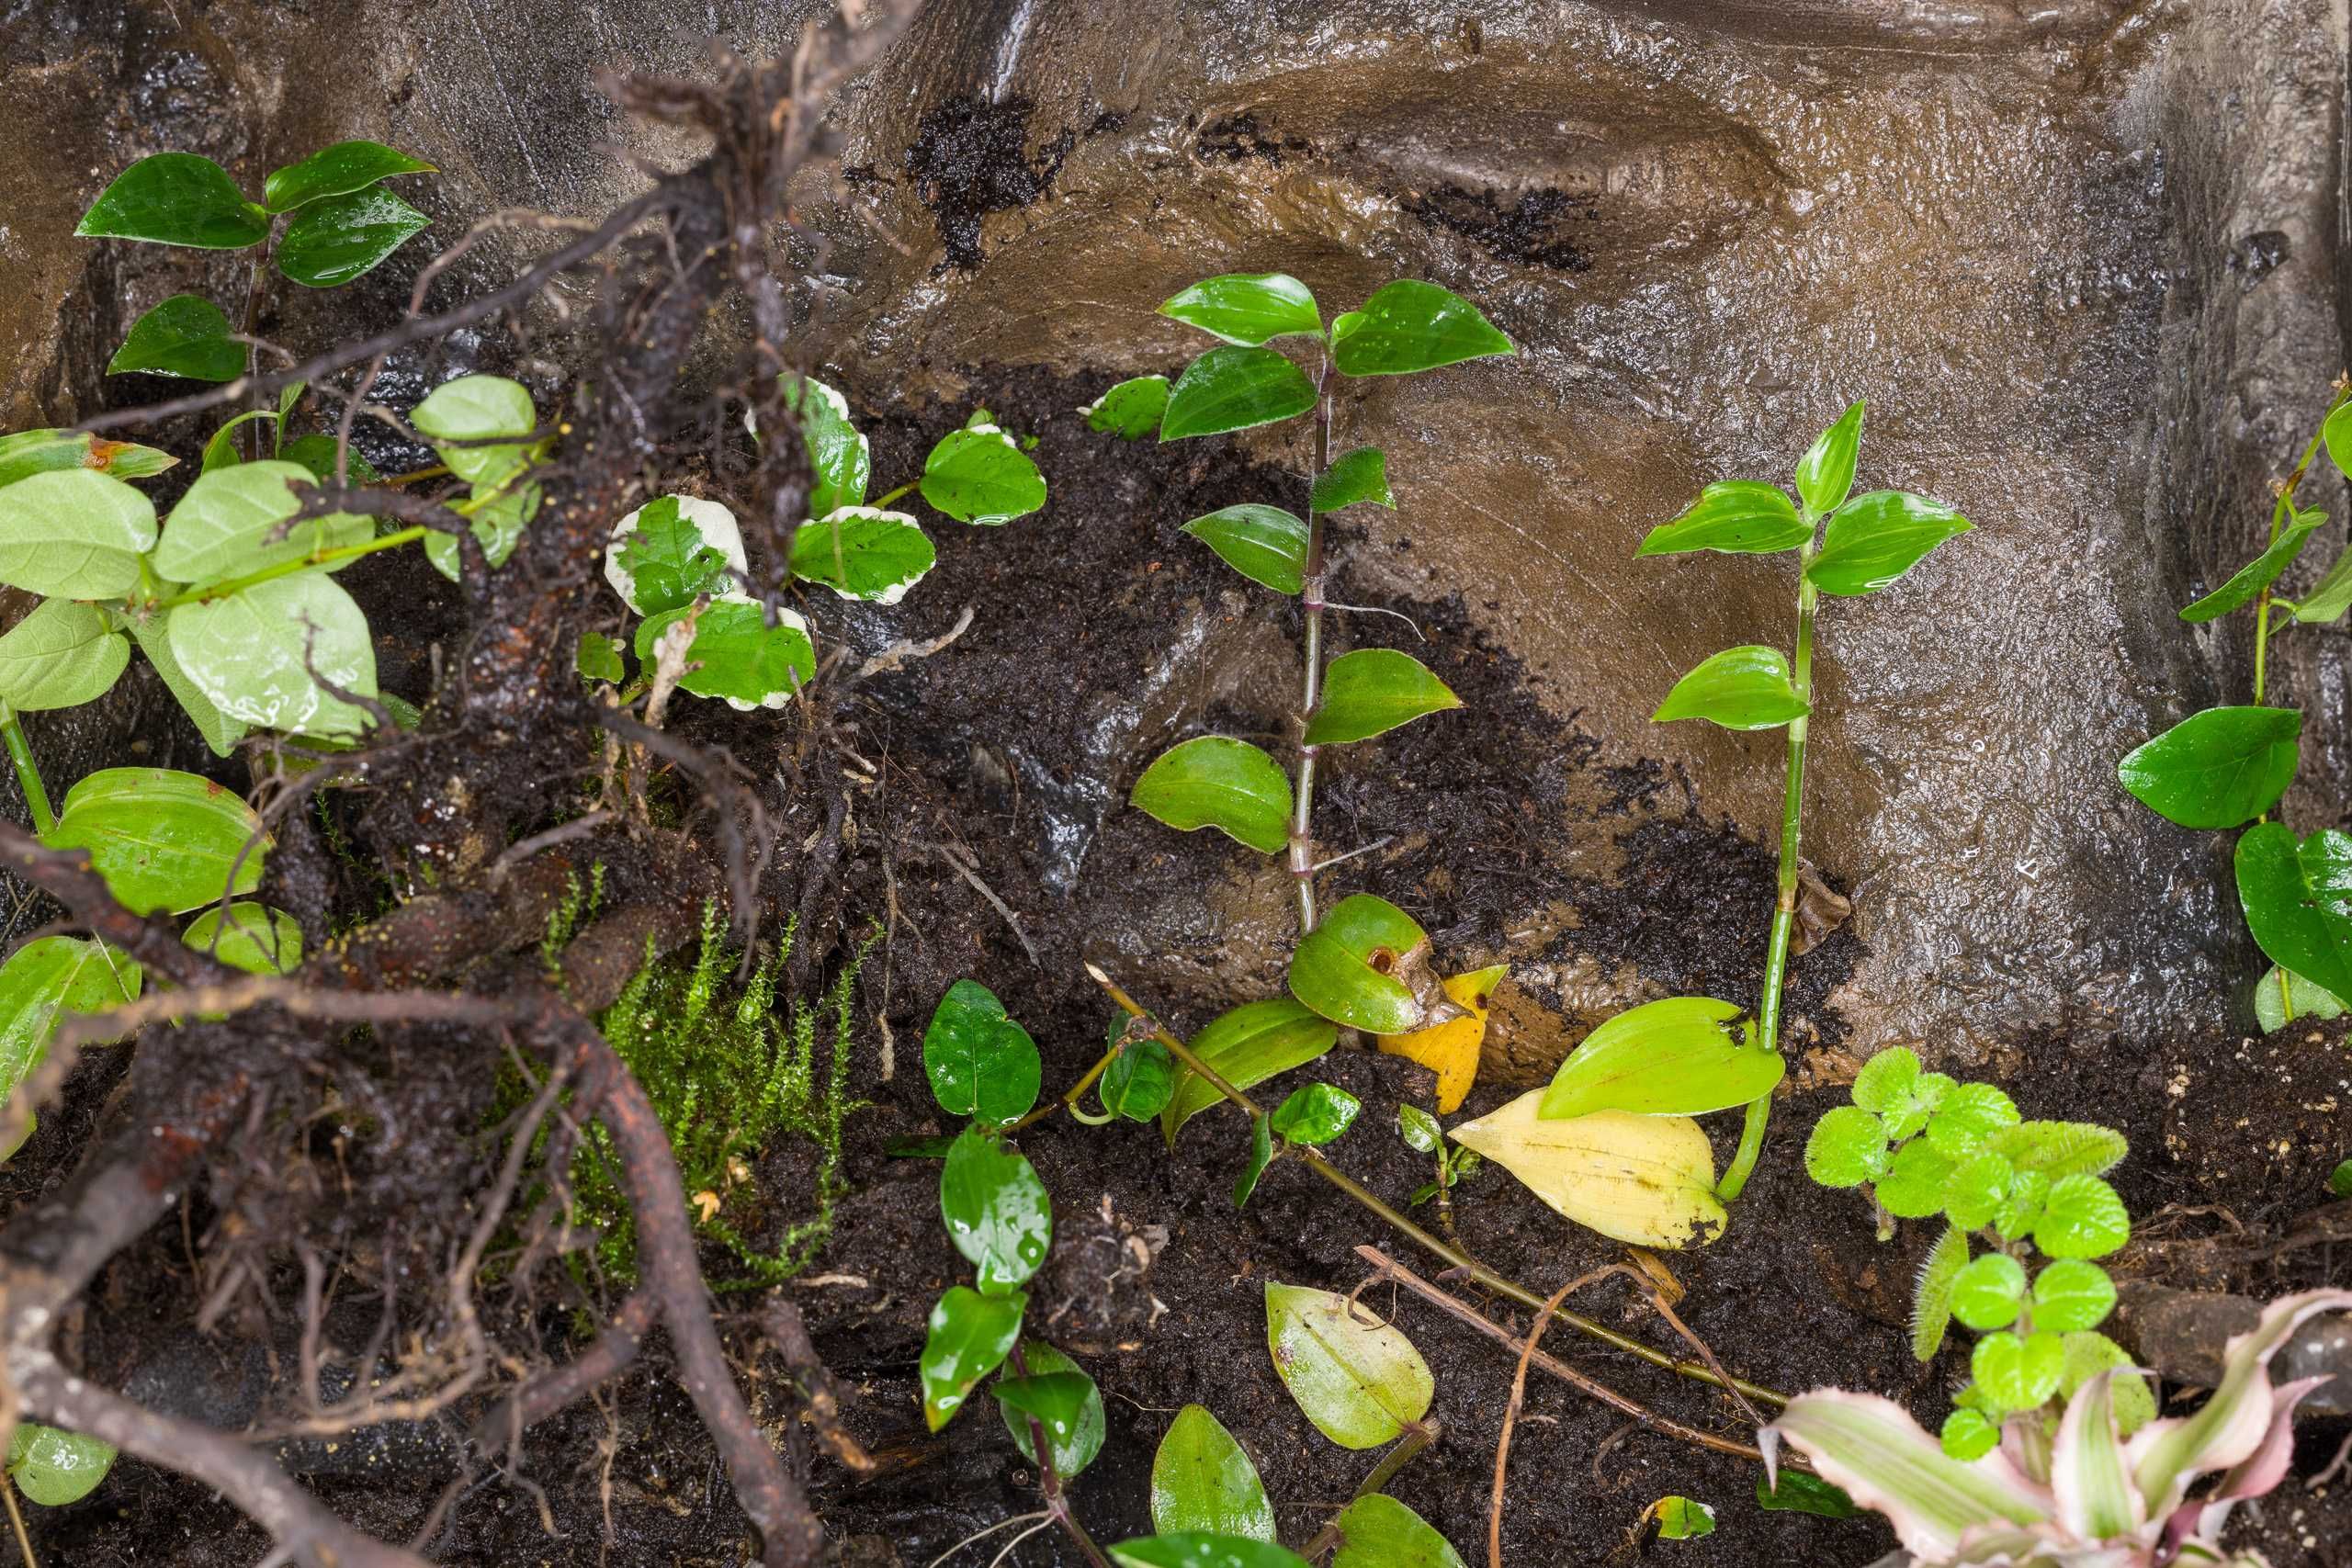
{"x": 289, "y": 567}
{"x": 1419, "y": 1436}
{"x": 20, "y": 754}
{"x": 1050, "y": 1483}
{"x": 1784, "y": 907}
{"x": 1310, "y": 600}
{"x": 893, "y": 495}
{"x": 1454, "y": 1255}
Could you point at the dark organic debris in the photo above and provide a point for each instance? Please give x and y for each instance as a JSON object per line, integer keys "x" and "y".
{"x": 969, "y": 159}
{"x": 1528, "y": 232}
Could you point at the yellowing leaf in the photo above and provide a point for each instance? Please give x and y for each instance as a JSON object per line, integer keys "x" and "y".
{"x": 1451, "y": 1049}
{"x": 1645, "y": 1180}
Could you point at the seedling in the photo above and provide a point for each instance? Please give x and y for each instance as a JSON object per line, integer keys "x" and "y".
{"x": 2225, "y": 767}
{"x": 1688, "y": 1055}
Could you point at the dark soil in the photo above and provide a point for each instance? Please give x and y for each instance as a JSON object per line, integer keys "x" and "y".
{"x": 1528, "y": 232}
{"x": 1017, "y": 744}
{"x": 970, "y": 158}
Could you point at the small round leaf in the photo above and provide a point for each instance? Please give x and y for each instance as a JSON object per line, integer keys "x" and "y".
{"x": 2072, "y": 1295}
{"x": 1989, "y": 1292}
{"x": 2083, "y": 1217}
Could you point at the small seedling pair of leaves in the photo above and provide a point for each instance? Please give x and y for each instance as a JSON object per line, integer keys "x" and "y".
{"x": 1063, "y": 1401}
{"x": 1680, "y": 1057}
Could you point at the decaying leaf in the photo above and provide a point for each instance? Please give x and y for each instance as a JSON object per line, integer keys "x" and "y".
{"x": 1451, "y": 1049}
{"x": 1821, "y": 910}
{"x": 1645, "y": 1180}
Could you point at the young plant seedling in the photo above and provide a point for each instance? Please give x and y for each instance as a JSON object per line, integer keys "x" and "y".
{"x": 2225, "y": 767}
{"x": 1689, "y": 1056}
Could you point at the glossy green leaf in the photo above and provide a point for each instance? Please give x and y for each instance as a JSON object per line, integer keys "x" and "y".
{"x": 330, "y": 243}
{"x": 1932, "y": 1296}
{"x": 2310, "y": 1002}
{"x": 1378, "y": 1531}
{"x": 970, "y": 1335}
{"x": 233, "y": 522}
{"x": 1358, "y": 1380}
{"x": 2083, "y": 1217}
{"x": 979, "y": 474}
{"x": 2258, "y": 573}
{"x": 1317, "y": 1114}
{"x": 1246, "y": 1046}
{"x": 496, "y": 527}
{"x": 2336, "y": 435}
{"x": 1358, "y": 476}
{"x": 1214, "y": 780}
{"x": 2339, "y": 1180}
{"x": 1989, "y": 1292}
{"x": 187, "y": 336}
{"x": 1201, "y": 1481}
{"x": 736, "y": 654}
{"x": 163, "y": 839}
{"x": 861, "y": 552}
{"x": 1797, "y": 1492}
{"x": 2018, "y": 1373}
{"x": 981, "y": 1064}
{"x": 1234, "y": 389}
{"x": 61, "y": 655}
{"x": 1261, "y": 1154}
{"x": 1679, "y": 1518}
{"x": 1673, "y": 1057}
{"x": 221, "y": 732}
{"x": 1847, "y": 1147}
{"x": 30, "y": 452}
{"x": 673, "y": 550}
{"x": 339, "y": 170}
{"x": 2220, "y": 768}
{"x": 252, "y": 937}
{"x": 1372, "y": 690}
{"x": 1139, "y": 1081}
{"x": 1969, "y": 1118}
{"x": 997, "y": 1211}
{"x": 1264, "y": 544}
{"x": 47, "y": 979}
{"x": 1131, "y": 409}
{"x": 1826, "y": 473}
{"x": 1195, "y": 1548}
{"x": 2297, "y": 895}
{"x": 1969, "y": 1435}
{"x": 1876, "y": 538}
{"x": 1063, "y": 1401}
{"x": 260, "y": 655}
{"x": 2061, "y": 1148}
{"x": 459, "y": 416}
{"x": 73, "y": 534}
{"x": 841, "y": 461}
{"x": 1360, "y": 964}
{"x": 176, "y": 198}
{"x": 1978, "y": 1186}
{"x": 1913, "y": 1187}
{"x": 1409, "y": 325}
{"x": 1736, "y": 517}
{"x": 53, "y": 1467}
{"x": 2330, "y": 596}
{"x": 316, "y": 453}
{"x": 1422, "y": 1133}
{"x": 2072, "y": 1295}
{"x": 1248, "y": 308}
{"x": 1740, "y": 688}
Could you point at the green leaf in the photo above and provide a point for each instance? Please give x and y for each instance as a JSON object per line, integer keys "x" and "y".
{"x": 1913, "y": 1187}
{"x": 1673, "y": 1057}
{"x": 1140, "y": 1079}
{"x": 2081, "y": 1218}
{"x": 1214, "y": 780}
{"x": 253, "y": 653}
{"x": 970, "y": 1335}
{"x": 2018, "y": 1374}
{"x": 30, "y": 452}
{"x": 2029, "y": 1190}
{"x": 1740, "y": 517}
{"x": 2311, "y": 1002}
{"x": 671, "y": 551}
{"x": 1195, "y": 1548}
{"x": 1797, "y": 1492}
{"x": 2220, "y": 768}
{"x": 2330, "y": 596}
{"x": 1372, "y": 690}
{"x": 2062, "y": 1148}
{"x": 841, "y": 461}
{"x": 1351, "y": 968}
{"x": 316, "y": 453}
{"x": 1131, "y": 409}
{"x": 330, "y": 243}
{"x": 1969, "y": 1119}
{"x": 221, "y": 732}
{"x": 1201, "y": 1481}
{"x": 1421, "y": 1132}
{"x": 1969, "y": 1435}
{"x": 497, "y": 527}
{"x": 2336, "y": 433}
{"x": 981, "y": 1064}
{"x": 1847, "y": 1148}
{"x": 1989, "y": 1292}
{"x": 52, "y": 1467}
{"x": 2339, "y": 1180}
{"x": 1261, "y": 1154}
{"x": 1876, "y": 538}
{"x": 1978, "y": 1186}
{"x": 600, "y": 659}
{"x": 1359, "y": 475}
{"x": 2088, "y": 1354}
{"x": 176, "y": 198}
{"x": 1318, "y": 1113}
{"x": 73, "y": 534}
{"x": 1234, "y": 389}
{"x": 187, "y": 336}
{"x": 1887, "y": 1081}
{"x": 252, "y": 937}
{"x": 1679, "y": 1518}
{"x": 1358, "y": 1380}
{"x": 220, "y": 448}
{"x": 1927, "y": 1092}
{"x": 1378, "y": 1531}
{"x": 339, "y": 170}
{"x": 2297, "y": 896}
{"x": 233, "y": 522}
{"x": 43, "y": 981}
{"x": 1931, "y": 1297}
{"x": 1246, "y": 1046}
{"x": 861, "y": 552}
{"x": 1740, "y": 688}
{"x": 1410, "y": 325}
{"x": 1064, "y": 1402}
{"x": 460, "y": 413}
{"x": 979, "y": 474}
{"x": 1264, "y": 544}
{"x": 1248, "y": 308}
{"x": 61, "y": 655}
{"x": 2070, "y": 1295}
{"x": 997, "y": 1211}
{"x": 160, "y": 839}
{"x": 1826, "y": 473}
{"x": 2258, "y": 573}
{"x": 736, "y": 654}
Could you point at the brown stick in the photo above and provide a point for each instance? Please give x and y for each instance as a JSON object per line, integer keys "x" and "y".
{"x": 1510, "y": 1414}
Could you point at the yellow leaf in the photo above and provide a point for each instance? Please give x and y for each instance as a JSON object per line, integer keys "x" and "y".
{"x": 1451, "y": 1049}
{"x": 1646, "y": 1179}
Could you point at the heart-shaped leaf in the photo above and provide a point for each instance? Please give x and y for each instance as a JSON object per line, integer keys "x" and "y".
{"x": 331, "y": 242}
{"x": 176, "y": 198}
{"x": 2297, "y": 896}
{"x": 1826, "y": 473}
{"x": 2018, "y": 1373}
{"x": 59, "y": 656}
{"x": 979, "y": 474}
{"x": 262, "y": 653}
{"x": 2220, "y": 768}
{"x": 1876, "y": 538}
{"x": 2070, "y": 1295}
{"x": 1234, "y": 389}
{"x": 1359, "y": 475}
{"x": 1409, "y": 325}
{"x": 1246, "y": 1046}
{"x": 1968, "y": 1118}
{"x": 186, "y": 335}
{"x": 981, "y": 1064}
{"x": 1378, "y": 1531}
{"x": 997, "y": 1211}
{"x": 1131, "y": 409}
{"x": 1201, "y": 1481}
{"x": 1358, "y": 1380}
{"x": 1365, "y": 964}
{"x": 1264, "y": 544}
{"x": 970, "y": 1335}
{"x": 73, "y": 534}
{"x": 1740, "y": 688}
{"x": 673, "y": 550}
{"x": 1989, "y": 1292}
{"x": 1071, "y": 1410}
{"x": 2258, "y": 573}
{"x": 30, "y": 452}
{"x": 1372, "y": 690}
{"x": 1645, "y": 1180}
{"x": 1735, "y": 517}
{"x": 339, "y": 170}
{"x": 1673, "y": 1057}
{"x": 1214, "y": 780}
{"x": 160, "y": 839}
{"x": 1451, "y": 1048}
{"x": 53, "y": 1467}
{"x": 861, "y": 552}
{"x": 233, "y": 522}
{"x": 1248, "y": 308}
{"x": 2083, "y": 1217}
{"x": 1847, "y": 1147}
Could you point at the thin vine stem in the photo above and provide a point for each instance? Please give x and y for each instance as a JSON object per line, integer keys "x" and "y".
{"x": 1311, "y": 601}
